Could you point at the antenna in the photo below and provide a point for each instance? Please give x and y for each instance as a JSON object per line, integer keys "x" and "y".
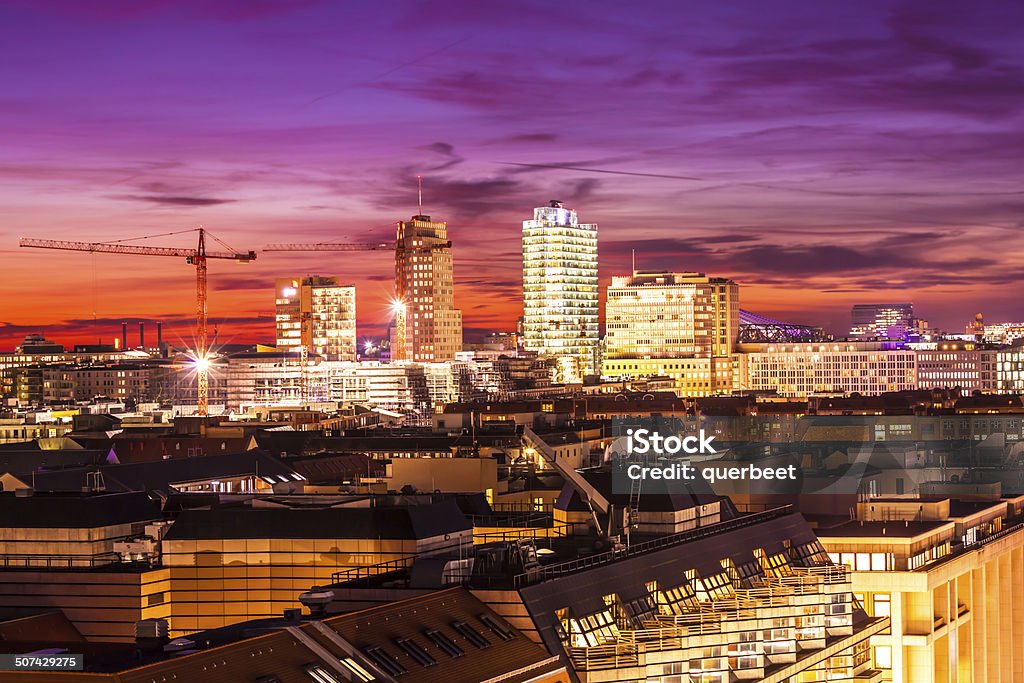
{"x": 419, "y": 183}
{"x": 634, "y": 261}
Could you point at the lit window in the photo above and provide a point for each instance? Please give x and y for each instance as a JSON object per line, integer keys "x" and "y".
{"x": 361, "y": 674}
{"x": 320, "y": 674}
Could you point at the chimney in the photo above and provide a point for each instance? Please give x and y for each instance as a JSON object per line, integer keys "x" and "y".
{"x": 124, "y": 336}
{"x": 142, "y": 335}
{"x": 159, "y": 335}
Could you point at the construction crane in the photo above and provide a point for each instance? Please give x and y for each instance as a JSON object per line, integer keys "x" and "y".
{"x": 196, "y": 257}
{"x": 330, "y": 246}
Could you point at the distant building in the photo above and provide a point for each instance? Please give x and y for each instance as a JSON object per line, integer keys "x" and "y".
{"x": 680, "y": 325}
{"x": 950, "y": 364}
{"x": 1003, "y": 333}
{"x": 881, "y": 321}
{"x": 425, "y": 289}
{"x": 560, "y": 289}
{"x": 800, "y": 370}
{"x": 318, "y": 313}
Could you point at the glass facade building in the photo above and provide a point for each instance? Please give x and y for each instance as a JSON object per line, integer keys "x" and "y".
{"x": 560, "y": 289}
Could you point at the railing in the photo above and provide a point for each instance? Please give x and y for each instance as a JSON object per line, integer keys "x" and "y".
{"x": 59, "y": 561}
{"x": 517, "y": 519}
{"x": 370, "y": 570}
{"x": 571, "y": 566}
{"x": 603, "y": 657}
{"x": 519, "y": 533}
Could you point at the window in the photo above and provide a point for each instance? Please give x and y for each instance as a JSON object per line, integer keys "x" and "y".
{"x": 361, "y": 674}
{"x": 444, "y": 643}
{"x": 883, "y": 656}
{"x": 882, "y": 604}
{"x": 471, "y": 634}
{"x": 385, "y": 661}
{"x": 413, "y": 649}
{"x": 320, "y": 674}
{"x": 499, "y": 629}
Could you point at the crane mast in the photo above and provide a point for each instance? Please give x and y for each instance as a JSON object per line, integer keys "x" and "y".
{"x": 197, "y": 257}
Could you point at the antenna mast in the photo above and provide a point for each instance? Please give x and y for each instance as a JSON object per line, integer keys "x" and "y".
{"x": 419, "y": 183}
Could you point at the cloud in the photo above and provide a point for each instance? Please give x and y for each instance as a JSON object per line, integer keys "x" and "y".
{"x": 165, "y": 200}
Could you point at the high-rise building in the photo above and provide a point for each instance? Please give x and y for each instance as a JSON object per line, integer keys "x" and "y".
{"x": 560, "y": 289}
{"x": 318, "y": 313}
{"x": 656, "y": 320}
{"x": 428, "y": 326}
{"x": 881, "y": 321}
{"x": 671, "y": 315}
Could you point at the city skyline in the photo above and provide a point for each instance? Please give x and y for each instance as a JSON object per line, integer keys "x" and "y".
{"x": 819, "y": 160}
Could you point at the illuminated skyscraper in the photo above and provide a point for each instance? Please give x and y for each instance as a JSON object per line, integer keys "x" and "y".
{"x": 425, "y": 286}
{"x": 560, "y": 290}
{"x": 318, "y": 313}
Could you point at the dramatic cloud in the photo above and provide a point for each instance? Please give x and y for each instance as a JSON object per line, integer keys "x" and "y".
{"x": 859, "y": 151}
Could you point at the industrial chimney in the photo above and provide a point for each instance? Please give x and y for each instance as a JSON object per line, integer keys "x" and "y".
{"x": 124, "y": 336}
{"x": 142, "y": 335}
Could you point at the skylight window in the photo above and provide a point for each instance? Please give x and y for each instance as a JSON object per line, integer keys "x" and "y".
{"x": 357, "y": 669}
{"x": 471, "y": 634}
{"x": 386, "y": 662}
{"x": 413, "y": 649}
{"x": 499, "y": 629}
{"x": 444, "y": 643}
{"x": 320, "y": 674}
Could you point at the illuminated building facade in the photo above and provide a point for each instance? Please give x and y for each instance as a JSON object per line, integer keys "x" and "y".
{"x": 799, "y": 370}
{"x": 560, "y": 289}
{"x": 1009, "y": 369}
{"x": 881, "y": 321}
{"x": 318, "y": 313}
{"x": 947, "y": 575}
{"x": 956, "y": 364}
{"x": 678, "y": 325}
{"x": 425, "y": 288}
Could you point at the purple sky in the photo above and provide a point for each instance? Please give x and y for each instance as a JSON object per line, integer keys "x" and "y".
{"x": 822, "y": 154}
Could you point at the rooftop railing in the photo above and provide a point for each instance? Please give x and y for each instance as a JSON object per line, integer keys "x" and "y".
{"x": 636, "y": 549}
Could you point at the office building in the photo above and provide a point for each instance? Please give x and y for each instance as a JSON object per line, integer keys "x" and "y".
{"x": 560, "y": 289}
{"x": 429, "y": 327}
{"x": 881, "y": 321}
{"x": 947, "y": 575}
{"x": 809, "y": 369}
{"x": 60, "y": 550}
{"x": 678, "y": 325}
{"x": 318, "y": 313}
{"x": 752, "y": 598}
{"x": 229, "y": 564}
{"x": 956, "y": 364}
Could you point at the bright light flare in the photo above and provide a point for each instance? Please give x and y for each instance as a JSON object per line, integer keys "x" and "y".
{"x": 397, "y": 306}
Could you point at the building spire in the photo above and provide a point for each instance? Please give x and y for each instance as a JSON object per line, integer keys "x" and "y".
{"x": 419, "y": 183}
